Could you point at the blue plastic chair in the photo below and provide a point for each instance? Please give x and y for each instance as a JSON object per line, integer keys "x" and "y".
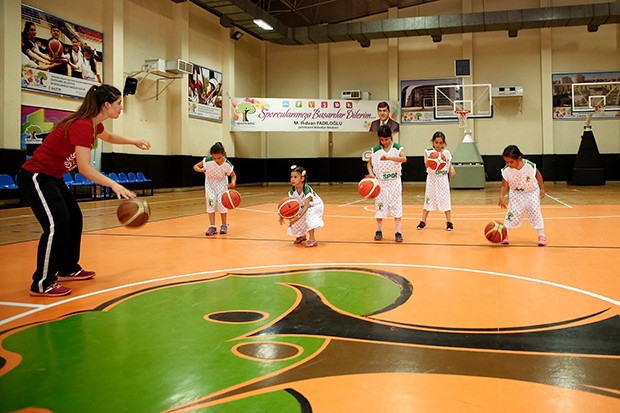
{"x": 102, "y": 191}
{"x": 144, "y": 180}
{"x": 122, "y": 178}
{"x": 80, "y": 181}
{"x": 132, "y": 177}
{"x": 68, "y": 179}
{"x": 6, "y": 182}
{"x": 113, "y": 177}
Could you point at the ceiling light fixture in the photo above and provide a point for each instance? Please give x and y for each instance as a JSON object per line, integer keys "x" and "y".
{"x": 262, "y": 24}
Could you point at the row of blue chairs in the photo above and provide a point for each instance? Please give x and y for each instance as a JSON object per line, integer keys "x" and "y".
{"x": 8, "y": 187}
{"x": 78, "y": 181}
{"x": 130, "y": 180}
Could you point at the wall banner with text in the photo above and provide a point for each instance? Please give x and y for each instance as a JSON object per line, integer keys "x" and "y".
{"x": 59, "y": 57}
{"x": 307, "y": 115}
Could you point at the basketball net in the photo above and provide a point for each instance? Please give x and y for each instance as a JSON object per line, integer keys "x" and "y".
{"x": 462, "y": 114}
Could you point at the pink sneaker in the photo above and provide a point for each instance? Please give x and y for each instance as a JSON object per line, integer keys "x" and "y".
{"x": 78, "y": 275}
{"x": 311, "y": 244}
{"x": 542, "y": 240}
{"x": 299, "y": 240}
{"x": 54, "y": 290}
{"x": 505, "y": 241}
{"x": 211, "y": 231}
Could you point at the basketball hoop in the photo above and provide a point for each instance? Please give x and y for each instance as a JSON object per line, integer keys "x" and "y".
{"x": 462, "y": 116}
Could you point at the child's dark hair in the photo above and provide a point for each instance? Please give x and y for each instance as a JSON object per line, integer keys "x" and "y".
{"x": 384, "y": 131}
{"x": 218, "y": 148}
{"x": 439, "y": 134}
{"x": 512, "y": 151}
{"x": 301, "y": 171}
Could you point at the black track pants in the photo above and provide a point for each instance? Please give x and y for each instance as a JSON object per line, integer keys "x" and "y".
{"x": 60, "y": 217}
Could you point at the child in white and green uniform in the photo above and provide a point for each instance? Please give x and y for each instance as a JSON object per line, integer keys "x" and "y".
{"x": 385, "y": 164}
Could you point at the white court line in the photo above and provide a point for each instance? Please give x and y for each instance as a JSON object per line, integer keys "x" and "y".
{"x": 557, "y": 200}
{"x": 352, "y": 203}
{"x": 312, "y": 265}
{"x": 497, "y": 214}
{"x": 12, "y": 304}
{"x": 16, "y": 216}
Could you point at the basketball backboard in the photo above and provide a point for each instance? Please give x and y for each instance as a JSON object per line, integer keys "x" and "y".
{"x": 587, "y": 97}
{"x": 476, "y": 99}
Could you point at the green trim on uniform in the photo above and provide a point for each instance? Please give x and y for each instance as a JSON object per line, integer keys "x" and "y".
{"x": 396, "y": 146}
{"x": 307, "y": 190}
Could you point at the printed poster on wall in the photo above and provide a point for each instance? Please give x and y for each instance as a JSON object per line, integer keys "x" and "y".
{"x": 602, "y": 85}
{"x": 310, "y": 115}
{"x": 205, "y": 94}
{"x": 58, "y": 56}
{"x": 417, "y": 99}
{"x": 38, "y": 122}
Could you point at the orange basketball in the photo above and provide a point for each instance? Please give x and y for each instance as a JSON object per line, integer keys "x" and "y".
{"x": 133, "y": 212}
{"x": 231, "y": 199}
{"x": 288, "y": 207}
{"x": 495, "y": 232}
{"x": 437, "y": 161}
{"x": 55, "y": 48}
{"x": 369, "y": 188}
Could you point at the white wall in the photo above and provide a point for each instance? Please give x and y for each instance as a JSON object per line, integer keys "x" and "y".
{"x": 164, "y": 29}
{"x": 527, "y": 60}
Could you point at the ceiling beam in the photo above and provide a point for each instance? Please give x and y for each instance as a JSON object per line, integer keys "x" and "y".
{"x": 240, "y": 13}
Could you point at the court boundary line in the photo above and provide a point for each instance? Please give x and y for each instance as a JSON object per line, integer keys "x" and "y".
{"x": 558, "y": 200}
{"x": 310, "y": 265}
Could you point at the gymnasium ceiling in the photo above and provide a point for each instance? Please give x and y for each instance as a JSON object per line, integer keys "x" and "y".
{"x": 298, "y": 22}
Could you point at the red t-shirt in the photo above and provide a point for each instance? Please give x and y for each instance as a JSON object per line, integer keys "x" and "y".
{"x": 56, "y": 155}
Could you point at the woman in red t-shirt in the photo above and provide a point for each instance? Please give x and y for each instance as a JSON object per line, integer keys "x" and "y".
{"x": 41, "y": 180}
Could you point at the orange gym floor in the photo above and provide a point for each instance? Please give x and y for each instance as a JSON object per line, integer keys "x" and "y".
{"x": 176, "y": 321}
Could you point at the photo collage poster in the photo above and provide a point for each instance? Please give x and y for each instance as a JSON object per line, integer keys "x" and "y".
{"x": 59, "y": 57}
{"x": 417, "y": 99}
{"x": 204, "y": 94}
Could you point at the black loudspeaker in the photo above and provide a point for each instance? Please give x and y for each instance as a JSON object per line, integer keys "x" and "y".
{"x": 462, "y": 67}
{"x": 131, "y": 84}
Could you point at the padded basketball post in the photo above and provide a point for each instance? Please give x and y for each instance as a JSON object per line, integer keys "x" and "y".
{"x": 468, "y": 138}
{"x": 594, "y": 97}
{"x": 463, "y": 102}
{"x": 467, "y": 163}
{"x": 468, "y": 166}
{"x": 587, "y": 169}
